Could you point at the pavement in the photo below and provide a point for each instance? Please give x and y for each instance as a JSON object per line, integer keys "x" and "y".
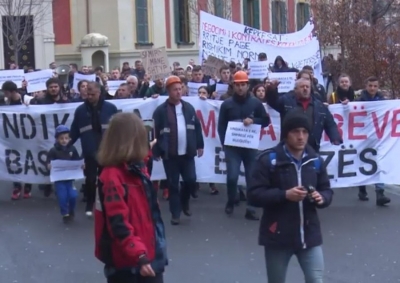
{"x": 361, "y": 243}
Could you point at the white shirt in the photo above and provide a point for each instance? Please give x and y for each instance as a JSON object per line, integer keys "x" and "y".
{"x": 181, "y": 125}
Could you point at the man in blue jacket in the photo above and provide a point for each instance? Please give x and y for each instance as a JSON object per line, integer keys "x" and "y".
{"x": 290, "y": 183}
{"x": 179, "y": 139}
{"x": 243, "y": 107}
{"x": 317, "y": 113}
{"x": 90, "y": 121}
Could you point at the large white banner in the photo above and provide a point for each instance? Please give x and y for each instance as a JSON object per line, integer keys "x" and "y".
{"x": 231, "y": 41}
{"x": 370, "y": 130}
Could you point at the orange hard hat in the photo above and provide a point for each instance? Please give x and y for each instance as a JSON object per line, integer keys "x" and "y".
{"x": 172, "y": 80}
{"x": 240, "y": 77}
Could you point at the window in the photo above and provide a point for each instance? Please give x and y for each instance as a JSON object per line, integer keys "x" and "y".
{"x": 302, "y": 14}
{"x": 182, "y": 21}
{"x": 251, "y": 13}
{"x": 142, "y": 22}
{"x": 219, "y": 8}
{"x": 278, "y": 14}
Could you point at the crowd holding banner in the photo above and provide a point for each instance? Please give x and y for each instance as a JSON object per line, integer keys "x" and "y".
{"x": 369, "y": 131}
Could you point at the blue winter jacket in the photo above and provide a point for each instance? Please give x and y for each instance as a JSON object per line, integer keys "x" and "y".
{"x": 82, "y": 126}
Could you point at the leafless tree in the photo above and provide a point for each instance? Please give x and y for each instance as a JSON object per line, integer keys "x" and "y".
{"x": 220, "y": 8}
{"x": 22, "y": 18}
{"x": 366, "y": 31}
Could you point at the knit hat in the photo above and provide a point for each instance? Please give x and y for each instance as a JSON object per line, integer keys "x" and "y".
{"x": 293, "y": 120}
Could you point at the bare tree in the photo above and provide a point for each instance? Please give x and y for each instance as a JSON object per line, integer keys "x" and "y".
{"x": 220, "y": 8}
{"x": 21, "y": 19}
{"x": 366, "y": 32}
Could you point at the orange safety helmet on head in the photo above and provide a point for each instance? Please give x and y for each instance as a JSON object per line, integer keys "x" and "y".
{"x": 240, "y": 77}
{"x": 172, "y": 80}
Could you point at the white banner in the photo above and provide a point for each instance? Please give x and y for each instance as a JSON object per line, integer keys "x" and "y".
{"x": 232, "y": 41}
{"x": 368, "y": 156}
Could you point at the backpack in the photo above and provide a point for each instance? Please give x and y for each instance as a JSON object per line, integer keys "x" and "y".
{"x": 272, "y": 160}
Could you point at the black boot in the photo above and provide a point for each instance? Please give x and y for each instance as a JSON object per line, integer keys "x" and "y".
{"x": 251, "y": 215}
{"x": 194, "y": 191}
{"x": 186, "y": 208}
{"x": 381, "y": 199}
{"x": 362, "y": 193}
{"x": 229, "y": 207}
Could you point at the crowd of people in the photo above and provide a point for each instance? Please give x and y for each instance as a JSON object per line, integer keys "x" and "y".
{"x": 288, "y": 181}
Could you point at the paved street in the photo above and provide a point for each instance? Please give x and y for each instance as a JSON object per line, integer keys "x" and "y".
{"x": 361, "y": 243}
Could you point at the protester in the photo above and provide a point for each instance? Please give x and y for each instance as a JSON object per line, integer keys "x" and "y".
{"x": 316, "y": 86}
{"x": 225, "y": 76}
{"x": 13, "y": 97}
{"x": 65, "y": 190}
{"x": 90, "y": 121}
{"x": 290, "y": 182}
{"x": 180, "y": 139}
{"x": 369, "y": 94}
{"x": 344, "y": 92}
{"x": 259, "y": 92}
{"x": 243, "y": 107}
{"x": 129, "y": 231}
{"x": 133, "y": 84}
{"x": 318, "y": 114}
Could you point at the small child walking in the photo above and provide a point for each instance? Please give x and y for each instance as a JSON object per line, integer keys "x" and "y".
{"x": 66, "y": 193}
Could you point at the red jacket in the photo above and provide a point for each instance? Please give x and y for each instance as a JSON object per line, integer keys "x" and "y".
{"x": 125, "y": 231}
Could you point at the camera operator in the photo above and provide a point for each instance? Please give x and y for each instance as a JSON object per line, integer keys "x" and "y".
{"x": 282, "y": 182}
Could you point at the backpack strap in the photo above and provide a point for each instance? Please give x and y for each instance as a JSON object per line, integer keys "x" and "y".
{"x": 317, "y": 164}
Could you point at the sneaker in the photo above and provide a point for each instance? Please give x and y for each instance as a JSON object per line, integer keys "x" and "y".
{"x": 213, "y": 190}
{"x": 66, "y": 218}
{"x": 381, "y": 199}
{"x": 251, "y": 215}
{"x": 27, "y": 195}
{"x": 71, "y": 215}
{"x": 165, "y": 194}
{"x": 16, "y": 194}
{"x": 89, "y": 213}
{"x": 229, "y": 207}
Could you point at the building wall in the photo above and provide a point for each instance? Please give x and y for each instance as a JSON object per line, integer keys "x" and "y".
{"x": 117, "y": 20}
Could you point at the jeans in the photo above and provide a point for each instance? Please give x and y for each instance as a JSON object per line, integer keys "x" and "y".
{"x": 129, "y": 277}
{"x": 311, "y": 262}
{"x": 174, "y": 168}
{"x": 66, "y": 195}
{"x": 92, "y": 171}
{"x": 234, "y": 156}
{"x": 380, "y": 187}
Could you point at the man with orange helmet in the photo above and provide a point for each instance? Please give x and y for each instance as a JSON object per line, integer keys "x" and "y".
{"x": 179, "y": 139}
{"x": 244, "y": 107}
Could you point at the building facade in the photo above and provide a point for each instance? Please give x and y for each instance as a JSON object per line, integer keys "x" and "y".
{"x": 116, "y": 31}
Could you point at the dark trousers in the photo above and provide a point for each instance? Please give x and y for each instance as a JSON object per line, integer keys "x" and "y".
{"x": 150, "y": 165}
{"x": 27, "y": 187}
{"x": 92, "y": 172}
{"x": 234, "y": 156}
{"x": 128, "y": 277}
{"x": 174, "y": 168}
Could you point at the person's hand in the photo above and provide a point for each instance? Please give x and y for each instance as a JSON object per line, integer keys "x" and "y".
{"x": 296, "y": 194}
{"x": 153, "y": 142}
{"x": 156, "y": 158}
{"x": 344, "y": 102}
{"x": 214, "y": 94}
{"x": 326, "y": 104}
{"x": 24, "y": 84}
{"x": 147, "y": 271}
{"x": 83, "y": 166}
{"x": 155, "y": 95}
{"x": 248, "y": 71}
{"x": 317, "y": 197}
{"x": 247, "y": 121}
{"x": 72, "y": 91}
{"x": 49, "y": 166}
{"x": 203, "y": 97}
{"x": 200, "y": 152}
{"x": 274, "y": 84}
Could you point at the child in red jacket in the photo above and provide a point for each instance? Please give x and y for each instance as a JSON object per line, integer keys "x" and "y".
{"x": 129, "y": 231}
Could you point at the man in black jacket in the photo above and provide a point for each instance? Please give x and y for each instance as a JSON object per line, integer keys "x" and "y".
{"x": 179, "y": 139}
{"x": 243, "y": 107}
{"x": 290, "y": 182}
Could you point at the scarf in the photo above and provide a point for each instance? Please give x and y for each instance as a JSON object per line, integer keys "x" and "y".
{"x": 342, "y": 94}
